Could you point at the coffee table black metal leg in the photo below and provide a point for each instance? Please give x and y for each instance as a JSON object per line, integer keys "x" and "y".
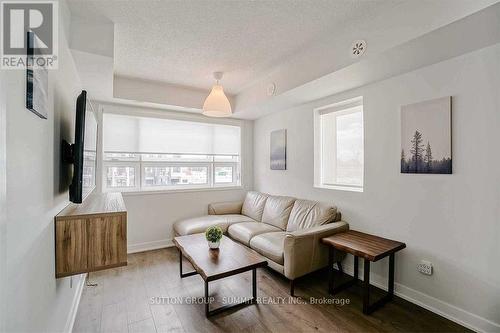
{"x": 209, "y": 312}
{"x": 254, "y": 285}
{"x": 207, "y": 300}
{"x": 366, "y": 287}
{"x": 183, "y": 275}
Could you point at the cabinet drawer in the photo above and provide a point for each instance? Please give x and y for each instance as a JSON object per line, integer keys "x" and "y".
{"x": 107, "y": 241}
{"x": 71, "y": 247}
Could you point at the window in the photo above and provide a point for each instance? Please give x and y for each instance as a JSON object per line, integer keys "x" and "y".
{"x": 120, "y": 176}
{"x": 145, "y": 154}
{"x": 89, "y": 163}
{"x": 339, "y": 146}
{"x": 224, "y": 174}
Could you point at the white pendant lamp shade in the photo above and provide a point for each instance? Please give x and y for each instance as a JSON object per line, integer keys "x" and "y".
{"x": 217, "y": 104}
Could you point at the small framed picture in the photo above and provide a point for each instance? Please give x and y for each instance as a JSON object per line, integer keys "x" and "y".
{"x": 37, "y": 80}
{"x": 278, "y": 150}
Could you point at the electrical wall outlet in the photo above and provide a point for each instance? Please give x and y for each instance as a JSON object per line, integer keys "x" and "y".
{"x": 425, "y": 267}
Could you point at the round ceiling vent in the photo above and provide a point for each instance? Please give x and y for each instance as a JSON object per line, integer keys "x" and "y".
{"x": 358, "y": 47}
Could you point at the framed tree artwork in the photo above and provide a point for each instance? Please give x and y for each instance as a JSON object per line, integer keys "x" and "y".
{"x": 426, "y": 137}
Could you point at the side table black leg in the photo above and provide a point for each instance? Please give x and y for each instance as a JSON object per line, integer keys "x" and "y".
{"x": 367, "y": 307}
{"x": 332, "y": 289}
{"x": 339, "y": 267}
{"x": 390, "y": 289}
{"x": 356, "y": 268}
{"x": 331, "y": 254}
{"x": 366, "y": 287}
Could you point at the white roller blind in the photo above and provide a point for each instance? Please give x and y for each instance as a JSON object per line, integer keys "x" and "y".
{"x": 123, "y": 133}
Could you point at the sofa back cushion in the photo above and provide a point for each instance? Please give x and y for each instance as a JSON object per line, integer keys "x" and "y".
{"x": 307, "y": 214}
{"x": 253, "y": 206}
{"x": 277, "y": 210}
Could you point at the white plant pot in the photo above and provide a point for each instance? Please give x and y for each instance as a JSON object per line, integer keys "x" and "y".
{"x": 214, "y": 245}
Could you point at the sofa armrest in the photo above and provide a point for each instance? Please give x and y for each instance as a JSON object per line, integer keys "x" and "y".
{"x": 223, "y": 208}
{"x": 304, "y": 252}
{"x": 321, "y": 231}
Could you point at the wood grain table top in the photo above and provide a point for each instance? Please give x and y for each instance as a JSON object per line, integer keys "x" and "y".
{"x": 363, "y": 245}
{"x": 95, "y": 204}
{"x": 231, "y": 258}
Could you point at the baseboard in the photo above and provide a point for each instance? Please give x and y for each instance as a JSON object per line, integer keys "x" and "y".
{"x": 70, "y": 322}
{"x": 444, "y": 309}
{"x": 147, "y": 246}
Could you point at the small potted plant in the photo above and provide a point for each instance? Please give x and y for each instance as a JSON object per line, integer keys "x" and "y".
{"x": 213, "y": 235}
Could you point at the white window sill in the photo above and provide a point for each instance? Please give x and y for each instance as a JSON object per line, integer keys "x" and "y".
{"x": 339, "y": 188}
{"x": 183, "y": 190}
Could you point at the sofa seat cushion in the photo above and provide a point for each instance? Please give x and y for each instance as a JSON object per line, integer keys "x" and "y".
{"x": 308, "y": 214}
{"x": 253, "y": 206}
{"x": 200, "y": 224}
{"x": 270, "y": 245}
{"x": 277, "y": 210}
{"x": 245, "y": 231}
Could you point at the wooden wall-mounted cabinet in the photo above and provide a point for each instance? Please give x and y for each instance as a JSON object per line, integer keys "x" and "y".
{"x": 91, "y": 236}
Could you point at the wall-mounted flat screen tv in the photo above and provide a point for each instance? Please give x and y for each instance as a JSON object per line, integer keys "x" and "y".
{"x": 83, "y": 152}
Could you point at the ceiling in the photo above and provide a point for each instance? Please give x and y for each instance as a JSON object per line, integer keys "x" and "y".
{"x": 183, "y": 42}
{"x": 161, "y": 54}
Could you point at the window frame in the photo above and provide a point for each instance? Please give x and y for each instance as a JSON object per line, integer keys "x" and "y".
{"x": 144, "y": 165}
{"x": 139, "y": 166}
{"x": 341, "y": 108}
{"x": 236, "y": 174}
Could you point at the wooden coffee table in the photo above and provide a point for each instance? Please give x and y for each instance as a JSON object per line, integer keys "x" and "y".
{"x": 230, "y": 259}
{"x": 370, "y": 248}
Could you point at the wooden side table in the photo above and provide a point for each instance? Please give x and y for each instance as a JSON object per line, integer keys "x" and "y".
{"x": 370, "y": 248}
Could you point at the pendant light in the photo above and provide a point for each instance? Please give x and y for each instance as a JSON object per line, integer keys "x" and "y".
{"x": 217, "y": 104}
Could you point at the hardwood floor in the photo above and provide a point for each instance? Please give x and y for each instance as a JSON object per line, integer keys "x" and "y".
{"x": 122, "y": 302}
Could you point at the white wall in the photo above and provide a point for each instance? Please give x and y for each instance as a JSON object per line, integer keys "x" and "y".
{"x": 34, "y": 300}
{"x": 3, "y": 192}
{"x": 451, "y": 220}
{"x": 151, "y": 215}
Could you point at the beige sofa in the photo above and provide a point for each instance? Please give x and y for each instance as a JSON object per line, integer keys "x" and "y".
{"x": 285, "y": 230}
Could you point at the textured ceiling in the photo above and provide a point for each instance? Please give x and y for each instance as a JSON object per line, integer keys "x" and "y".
{"x": 183, "y": 42}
